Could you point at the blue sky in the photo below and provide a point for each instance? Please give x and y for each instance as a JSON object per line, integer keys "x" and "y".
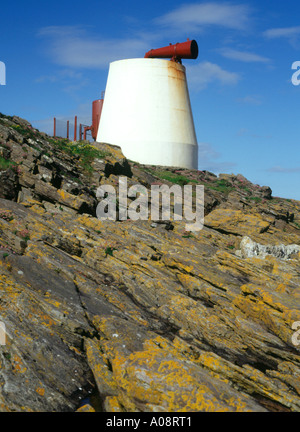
{"x": 245, "y": 106}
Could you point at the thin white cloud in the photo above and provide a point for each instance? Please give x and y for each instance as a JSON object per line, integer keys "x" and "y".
{"x": 204, "y": 73}
{"x": 69, "y": 80}
{"x": 71, "y": 46}
{"x": 281, "y": 170}
{"x": 61, "y": 31}
{"x": 198, "y": 15}
{"x": 243, "y": 56}
{"x": 243, "y": 132}
{"x": 60, "y": 76}
{"x": 207, "y": 152}
{"x": 287, "y": 32}
{"x": 250, "y": 100}
{"x": 208, "y": 159}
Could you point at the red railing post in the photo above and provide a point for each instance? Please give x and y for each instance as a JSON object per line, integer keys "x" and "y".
{"x": 68, "y": 128}
{"x": 75, "y": 128}
{"x": 54, "y": 127}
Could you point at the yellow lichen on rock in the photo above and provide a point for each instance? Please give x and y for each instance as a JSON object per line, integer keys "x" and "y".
{"x": 236, "y": 221}
{"x": 141, "y": 315}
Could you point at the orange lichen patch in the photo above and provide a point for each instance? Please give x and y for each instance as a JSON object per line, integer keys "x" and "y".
{"x": 10, "y": 289}
{"x": 269, "y": 389}
{"x": 257, "y": 309}
{"x": 34, "y": 250}
{"x": 90, "y": 222}
{"x": 18, "y": 365}
{"x": 34, "y": 205}
{"x": 210, "y": 361}
{"x": 215, "y": 365}
{"x": 281, "y": 288}
{"x": 291, "y": 316}
{"x": 260, "y": 306}
{"x": 169, "y": 261}
{"x": 288, "y": 373}
{"x": 236, "y": 221}
{"x": 135, "y": 316}
{"x": 185, "y": 279}
{"x": 263, "y": 295}
{"x": 40, "y": 391}
{"x": 64, "y": 195}
{"x": 251, "y": 379}
{"x": 46, "y": 320}
{"x": 185, "y": 312}
{"x": 38, "y": 315}
{"x": 112, "y": 404}
{"x": 238, "y": 267}
{"x": 86, "y": 408}
{"x": 99, "y": 365}
{"x": 154, "y": 375}
{"x": 55, "y": 303}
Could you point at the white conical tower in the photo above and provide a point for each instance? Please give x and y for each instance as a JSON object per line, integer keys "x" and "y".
{"x": 147, "y": 112}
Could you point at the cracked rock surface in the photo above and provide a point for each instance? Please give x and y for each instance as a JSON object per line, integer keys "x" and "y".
{"x": 124, "y": 316}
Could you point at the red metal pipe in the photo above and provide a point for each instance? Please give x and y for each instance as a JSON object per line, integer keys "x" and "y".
{"x": 186, "y": 50}
{"x": 96, "y": 114}
{"x": 54, "y": 127}
{"x": 68, "y": 128}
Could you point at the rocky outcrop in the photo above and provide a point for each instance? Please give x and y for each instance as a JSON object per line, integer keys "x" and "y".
{"x": 141, "y": 315}
{"x": 250, "y": 249}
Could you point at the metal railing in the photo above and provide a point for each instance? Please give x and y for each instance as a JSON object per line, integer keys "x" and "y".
{"x": 70, "y": 130}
